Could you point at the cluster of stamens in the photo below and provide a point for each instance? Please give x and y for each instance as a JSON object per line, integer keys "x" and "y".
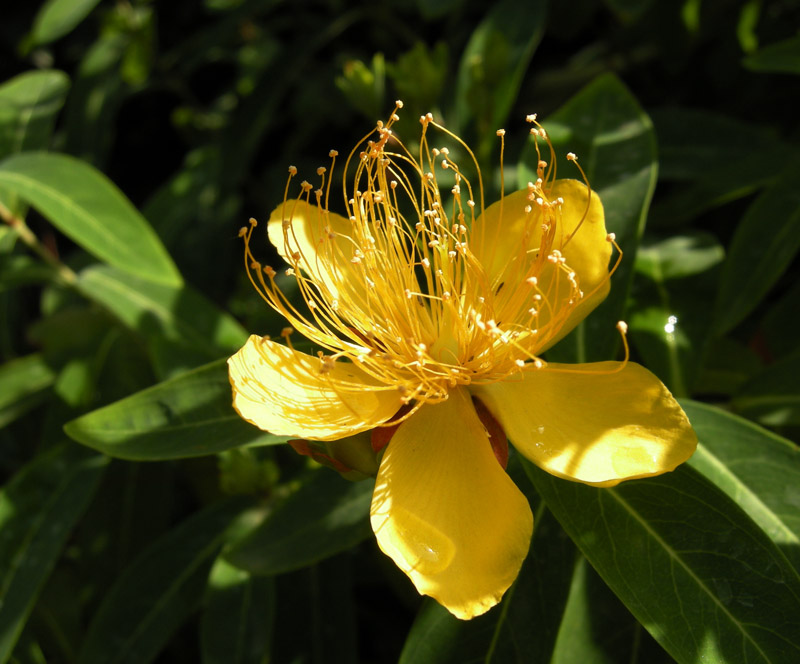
{"x": 399, "y": 285}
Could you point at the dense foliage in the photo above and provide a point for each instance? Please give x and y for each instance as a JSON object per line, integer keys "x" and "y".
{"x": 142, "y": 520}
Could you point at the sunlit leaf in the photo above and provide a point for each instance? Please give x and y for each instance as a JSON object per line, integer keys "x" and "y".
{"x": 690, "y": 565}
{"x": 765, "y": 242}
{"x": 187, "y": 416}
{"x": 614, "y": 140}
{"x": 38, "y": 509}
{"x": 159, "y": 590}
{"x": 86, "y": 206}
{"x": 756, "y": 468}
{"x": 324, "y": 516}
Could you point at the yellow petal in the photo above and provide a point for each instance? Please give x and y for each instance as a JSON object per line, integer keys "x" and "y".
{"x": 316, "y": 241}
{"x": 284, "y": 392}
{"x": 582, "y": 423}
{"x": 446, "y": 512}
{"x": 506, "y": 241}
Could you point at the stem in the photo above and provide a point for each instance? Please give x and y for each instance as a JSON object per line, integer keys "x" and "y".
{"x": 28, "y": 237}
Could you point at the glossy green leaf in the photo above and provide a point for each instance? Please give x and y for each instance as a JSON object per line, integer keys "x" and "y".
{"x": 58, "y": 17}
{"x": 772, "y": 396}
{"x": 614, "y": 140}
{"x": 765, "y": 242}
{"x": 236, "y": 626}
{"x": 727, "y": 365}
{"x": 159, "y": 590}
{"x": 85, "y": 205}
{"x": 38, "y": 509}
{"x": 23, "y": 385}
{"x": 326, "y": 515}
{"x": 174, "y": 313}
{"x": 755, "y": 467}
{"x": 504, "y": 634}
{"x": 690, "y": 565}
{"x": 187, "y": 416}
{"x": 783, "y": 57}
{"x": 493, "y": 65}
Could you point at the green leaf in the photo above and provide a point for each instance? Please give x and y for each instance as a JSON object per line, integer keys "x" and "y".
{"x": 58, "y": 17}
{"x": 679, "y": 256}
{"x": 614, "y": 140}
{"x": 324, "y": 516}
{"x": 38, "y": 509}
{"x": 772, "y": 396}
{"x": 504, "y": 634}
{"x": 764, "y": 244}
{"x": 159, "y": 590}
{"x": 597, "y": 628}
{"x": 701, "y": 150}
{"x": 689, "y": 564}
{"x": 756, "y": 468}
{"x": 493, "y": 65}
{"x": 29, "y": 104}
{"x": 782, "y": 57}
{"x": 85, "y": 205}
{"x": 779, "y": 323}
{"x": 236, "y": 626}
{"x": 174, "y": 313}
{"x": 187, "y": 416}
{"x": 23, "y": 385}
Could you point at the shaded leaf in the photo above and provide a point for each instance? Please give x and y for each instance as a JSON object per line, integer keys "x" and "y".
{"x": 493, "y": 64}
{"x": 324, "y": 516}
{"x": 504, "y": 634}
{"x": 696, "y": 149}
{"x": 689, "y": 564}
{"x": 85, "y": 205}
{"x": 783, "y": 57}
{"x": 765, "y": 242}
{"x": 614, "y": 140}
{"x": 38, "y": 509}
{"x": 597, "y": 628}
{"x": 159, "y": 590}
{"x": 772, "y": 396}
{"x": 236, "y": 626}
{"x": 756, "y": 468}
{"x": 187, "y": 416}
{"x": 23, "y": 385}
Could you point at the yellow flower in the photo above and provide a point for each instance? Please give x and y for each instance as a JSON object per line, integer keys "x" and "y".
{"x": 433, "y": 313}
